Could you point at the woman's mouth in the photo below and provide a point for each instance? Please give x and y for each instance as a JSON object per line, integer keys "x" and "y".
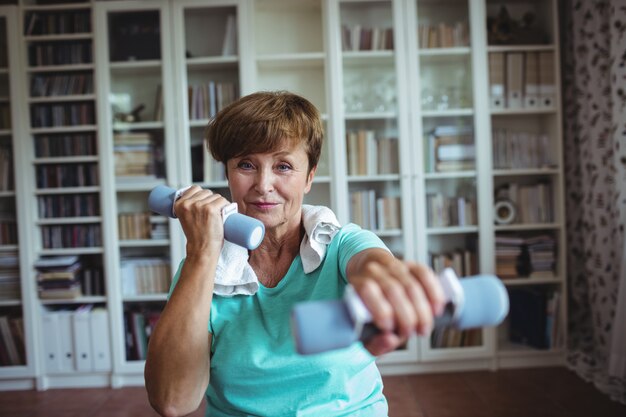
{"x": 264, "y": 205}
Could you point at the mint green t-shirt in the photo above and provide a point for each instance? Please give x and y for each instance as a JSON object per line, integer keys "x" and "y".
{"x": 255, "y": 369}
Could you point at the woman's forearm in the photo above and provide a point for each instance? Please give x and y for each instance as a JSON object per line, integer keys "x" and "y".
{"x": 177, "y": 364}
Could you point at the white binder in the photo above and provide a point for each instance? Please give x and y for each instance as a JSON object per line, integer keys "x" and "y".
{"x": 100, "y": 344}
{"x": 515, "y": 80}
{"x": 547, "y": 86}
{"x": 497, "y": 91}
{"x": 66, "y": 339}
{"x": 51, "y": 342}
{"x": 82, "y": 340}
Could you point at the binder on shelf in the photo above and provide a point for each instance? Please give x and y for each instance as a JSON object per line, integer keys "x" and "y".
{"x": 496, "y": 80}
{"x": 66, "y": 342}
{"x": 514, "y": 80}
{"x": 100, "y": 342}
{"x": 547, "y": 87}
{"x": 51, "y": 342}
{"x": 81, "y": 326}
{"x": 531, "y": 80}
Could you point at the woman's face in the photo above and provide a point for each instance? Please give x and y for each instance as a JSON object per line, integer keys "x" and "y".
{"x": 271, "y": 186}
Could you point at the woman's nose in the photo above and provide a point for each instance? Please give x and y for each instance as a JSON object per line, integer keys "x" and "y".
{"x": 264, "y": 181}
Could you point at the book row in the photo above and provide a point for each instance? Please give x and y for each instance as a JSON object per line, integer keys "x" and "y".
{"x": 12, "y": 350}
{"x": 57, "y": 22}
{"x": 519, "y": 150}
{"x": 6, "y": 169}
{"x": 360, "y": 38}
{"x": 10, "y": 286}
{"x": 61, "y": 85}
{"x": 205, "y": 100}
{"x": 145, "y": 276}
{"x": 59, "y": 53}
{"x": 71, "y": 236}
{"x": 58, "y": 115}
{"x": 134, "y": 226}
{"x": 375, "y": 213}
{"x": 463, "y": 261}
{"x": 443, "y": 35}
{"x": 443, "y": 211}
{"x": 138, "y": 326}
{"x": 371, "y": 155}
{"x": 68, "y": 205}
{"x": 71, "y": 175}
{"x": 5, "y": 117}
{"x": 534, "y": 317}
{"x": 449, "y": 337}
{"x": 77, "y": 144}
{"x": 8, "y": 231}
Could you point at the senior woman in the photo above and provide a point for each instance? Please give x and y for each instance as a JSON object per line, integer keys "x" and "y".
{"x": 237, "y": 349}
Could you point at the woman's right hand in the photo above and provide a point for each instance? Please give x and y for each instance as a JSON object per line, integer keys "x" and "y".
{"x": 200, "y": 214}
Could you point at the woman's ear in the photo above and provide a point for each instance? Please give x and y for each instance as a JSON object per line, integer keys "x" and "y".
{"x": 309, "y": 180}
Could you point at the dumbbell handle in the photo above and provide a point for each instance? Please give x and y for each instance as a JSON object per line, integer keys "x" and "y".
{"x": 239, "y": 229}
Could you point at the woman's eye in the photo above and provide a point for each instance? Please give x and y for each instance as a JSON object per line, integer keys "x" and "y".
{"x": 245, "y": 165}
{"x": 284, "y": 167}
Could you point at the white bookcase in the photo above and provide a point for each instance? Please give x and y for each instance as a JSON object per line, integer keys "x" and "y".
{"x": 422, "y": 141}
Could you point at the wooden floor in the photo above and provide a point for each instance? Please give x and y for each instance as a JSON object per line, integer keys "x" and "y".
{"x": 553, "y": 392}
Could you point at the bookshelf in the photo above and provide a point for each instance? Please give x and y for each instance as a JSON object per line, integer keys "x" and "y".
{"x": 422, "y": 141}
{"x": 527, "y": 173}
{"x": 64, "y": 191}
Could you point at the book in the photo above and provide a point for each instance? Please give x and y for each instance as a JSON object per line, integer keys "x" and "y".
{"x": 229, "y": 46}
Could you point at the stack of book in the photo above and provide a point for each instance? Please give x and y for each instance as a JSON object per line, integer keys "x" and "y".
{"x": 451, "y": 148}
{"x": 9, "y": 276}
{"x": 58, "y": 277}
{"x": 134, "y": 155}
{"x": 509, "y": 256}
{"x": 541, "y": 250}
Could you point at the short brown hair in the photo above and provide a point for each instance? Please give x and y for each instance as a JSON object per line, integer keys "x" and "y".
{"x": 262, "y": 122}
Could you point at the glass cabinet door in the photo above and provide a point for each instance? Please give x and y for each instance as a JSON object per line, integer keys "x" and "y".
{"x": 448, "y": 144}
{"x": 288, "y": 53}
{"x": 377, "y": 178}
{"x": 11, "y": 307}
{"x": 139, "y": 135}
{"x": 207, "y": 49}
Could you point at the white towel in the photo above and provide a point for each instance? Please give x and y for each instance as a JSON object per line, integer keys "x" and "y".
{"x": 320, "y": 226}
{"x": 235, "y": 276}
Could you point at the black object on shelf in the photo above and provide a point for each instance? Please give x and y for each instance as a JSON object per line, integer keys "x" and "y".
{"x": 135, "y": 36}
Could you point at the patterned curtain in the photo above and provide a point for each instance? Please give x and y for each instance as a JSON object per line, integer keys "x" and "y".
{"x": 594, "y": 84}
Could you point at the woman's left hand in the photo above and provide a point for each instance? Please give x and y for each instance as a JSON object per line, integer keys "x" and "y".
{"x": 403, "y": 297}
